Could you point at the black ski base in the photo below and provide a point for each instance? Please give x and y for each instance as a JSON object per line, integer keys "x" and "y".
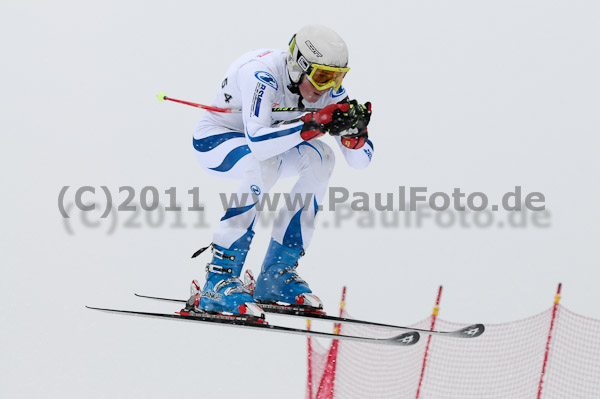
{"x": 406, "y": 339}
{"x": 291, "y": 310}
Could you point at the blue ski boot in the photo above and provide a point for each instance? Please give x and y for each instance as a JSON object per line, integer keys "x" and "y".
{"x": 279, "y": 282}
{"x": 223, "y": 291}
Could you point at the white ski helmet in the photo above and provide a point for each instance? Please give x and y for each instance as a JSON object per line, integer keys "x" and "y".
{"x": 314, "y": 46}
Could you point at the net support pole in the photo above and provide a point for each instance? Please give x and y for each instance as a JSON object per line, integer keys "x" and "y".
{"x": 310, "y": 371}
{"x": 549, "y": 340}
{"x": 436, "y": 310}
{"x": 327, "y": 384}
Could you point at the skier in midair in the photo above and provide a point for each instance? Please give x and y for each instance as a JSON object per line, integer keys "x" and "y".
{"x": 258, "y": 147}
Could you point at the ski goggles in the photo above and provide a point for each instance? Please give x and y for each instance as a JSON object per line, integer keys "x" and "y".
{"x": 325, "y": 77}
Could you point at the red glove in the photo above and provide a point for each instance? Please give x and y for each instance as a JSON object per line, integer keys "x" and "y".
{"x": 324, "y": 121}
{"x": 355, "y": 142}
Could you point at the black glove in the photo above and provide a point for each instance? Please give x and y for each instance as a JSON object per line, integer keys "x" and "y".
{"x": 356, "y": 136}
{"x": 364, "y": 116}
{"x": 354, "y": 123}
{"x": 343, "y": 121}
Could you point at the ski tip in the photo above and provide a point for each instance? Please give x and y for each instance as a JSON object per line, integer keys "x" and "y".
{"x": 473, "y": 331}
{"x": 409, "y": 338}
{"x": 162, "y": 96}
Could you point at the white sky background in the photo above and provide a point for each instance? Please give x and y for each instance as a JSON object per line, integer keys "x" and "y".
{"x": 478, "y": 95}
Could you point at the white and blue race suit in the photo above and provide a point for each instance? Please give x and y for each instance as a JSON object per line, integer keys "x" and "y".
{"x": 258, "y": 147}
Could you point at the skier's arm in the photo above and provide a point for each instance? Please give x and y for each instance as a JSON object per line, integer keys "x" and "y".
{"x": 358, "y": 158}
{"x": 257, "y": 99}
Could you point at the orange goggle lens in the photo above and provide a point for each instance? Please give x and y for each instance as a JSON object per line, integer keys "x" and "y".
{"x": 320, "y": 76}
{"x": 323, "y": 78}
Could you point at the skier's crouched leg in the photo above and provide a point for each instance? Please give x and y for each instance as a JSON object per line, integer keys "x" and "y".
{"x": 317, "y": 159}
{"x": 269, "y": 171}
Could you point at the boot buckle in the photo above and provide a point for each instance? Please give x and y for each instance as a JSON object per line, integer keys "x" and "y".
{"x": 221, "y": 255}
{"x": 218, "y": 269}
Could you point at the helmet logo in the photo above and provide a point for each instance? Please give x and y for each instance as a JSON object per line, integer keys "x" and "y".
{"x": 313, "y": 49}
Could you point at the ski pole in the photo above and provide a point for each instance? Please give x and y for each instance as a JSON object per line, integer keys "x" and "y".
{"x": 163, "y": 97}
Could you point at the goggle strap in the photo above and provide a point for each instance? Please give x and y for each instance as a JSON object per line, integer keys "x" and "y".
{"x": 304, "y": 64}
